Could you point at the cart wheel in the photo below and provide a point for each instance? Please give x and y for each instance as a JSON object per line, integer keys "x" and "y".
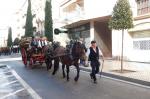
{"x": 24, "y": 56}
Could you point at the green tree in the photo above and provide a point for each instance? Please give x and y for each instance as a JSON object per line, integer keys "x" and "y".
{"x": 29, "y": 24}
{"x": 16, "y": 41}
{"x": 48, "y": 21}
{"x": 9, "y": 40}
{"x": 122, "y": 19}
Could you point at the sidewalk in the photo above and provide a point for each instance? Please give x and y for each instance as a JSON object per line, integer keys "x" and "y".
{"x": 133, "y": 71}
{"x": 13, "y": 55}
{"x": 11, "y": 86}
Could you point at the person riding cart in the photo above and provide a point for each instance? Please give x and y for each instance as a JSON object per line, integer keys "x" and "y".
{"x": 38, "y": 44}
{"x": 34, "y": 45}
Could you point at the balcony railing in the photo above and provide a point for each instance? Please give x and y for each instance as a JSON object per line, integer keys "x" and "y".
{"x": 73, "y": 16}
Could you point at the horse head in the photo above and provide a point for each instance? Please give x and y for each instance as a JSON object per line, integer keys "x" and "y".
{"x": 78, "y": 51}
{"x": 49, "y": 50}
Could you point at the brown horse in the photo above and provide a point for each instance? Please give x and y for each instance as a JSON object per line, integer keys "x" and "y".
{"x": 49, "y": 57}
{"x": 68, "y": 59}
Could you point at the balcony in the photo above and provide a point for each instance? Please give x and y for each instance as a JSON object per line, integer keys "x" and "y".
{"x": 73, "y": 12}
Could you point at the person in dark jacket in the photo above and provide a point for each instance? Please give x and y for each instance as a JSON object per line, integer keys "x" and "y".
{"x": 32, "y": 42}
{"x": 94, "y": 54}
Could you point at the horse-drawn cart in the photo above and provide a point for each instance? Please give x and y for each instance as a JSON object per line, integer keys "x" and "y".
{"x": 31, "y": 54}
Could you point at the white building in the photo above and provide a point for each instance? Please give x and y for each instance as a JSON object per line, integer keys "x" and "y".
{"x": 3, "y": 36}
{"x": 19, "y": 18}
{"x": 88, "y": 19}
{"x": 38, "y": 9}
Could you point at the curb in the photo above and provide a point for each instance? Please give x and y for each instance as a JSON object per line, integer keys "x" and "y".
{"x": 132, "y": 80}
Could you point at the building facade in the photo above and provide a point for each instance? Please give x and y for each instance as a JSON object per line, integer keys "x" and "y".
{"x": 3, "y": 36}
{"x": 19, "y": 18}
{"x": 88, "y": 19}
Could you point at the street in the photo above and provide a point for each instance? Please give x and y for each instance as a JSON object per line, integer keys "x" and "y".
{"x": 14, "y": 87}
{"x": 55, "y": 87}
{"x": 110, "y": 36}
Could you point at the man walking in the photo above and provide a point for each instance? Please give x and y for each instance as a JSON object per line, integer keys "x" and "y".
{"x": 93, "y": 54}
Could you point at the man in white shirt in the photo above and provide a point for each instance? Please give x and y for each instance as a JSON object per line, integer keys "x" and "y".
{"x": 94, "y": 54}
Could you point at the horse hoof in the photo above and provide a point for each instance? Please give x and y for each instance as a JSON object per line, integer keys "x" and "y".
{"x": 64, "y": 76}
{"x": 49, "y": 69}
{"x": 53, "y": 73}
{"x": 75, "y": 79}
{"x": 67, "y": 79}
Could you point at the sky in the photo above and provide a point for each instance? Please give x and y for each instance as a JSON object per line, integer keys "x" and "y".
{"x": 7, "y": 9}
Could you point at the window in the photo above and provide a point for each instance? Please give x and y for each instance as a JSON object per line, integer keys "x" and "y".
{"x": 141, "y": 45}
{"x": 143, "y": 6}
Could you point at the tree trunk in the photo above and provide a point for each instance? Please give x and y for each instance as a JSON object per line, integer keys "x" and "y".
{"x": 122, "y": 51}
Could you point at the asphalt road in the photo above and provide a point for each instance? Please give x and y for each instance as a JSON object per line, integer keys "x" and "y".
{"x": 10, "y": 85}
{"x": 55, "y": 87}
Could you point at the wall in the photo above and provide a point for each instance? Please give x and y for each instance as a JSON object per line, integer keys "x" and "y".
{"x": 62, "y": 38}
{"x": 97, "y": 8}
{"x": 3, "y": 37}
{"x": 141, "y": 54}
{"x": 129, "y": 52}
{"x": 103, "y": 37}
{"x": 117, "y": 44}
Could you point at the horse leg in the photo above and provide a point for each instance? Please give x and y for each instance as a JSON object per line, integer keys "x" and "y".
{"x": 48, "y": 64}
{"x": 63, "y": 69}
{"x": 56, "y": 66}
{"x": 78, "y": 71}
{"x": 67, "y": 72}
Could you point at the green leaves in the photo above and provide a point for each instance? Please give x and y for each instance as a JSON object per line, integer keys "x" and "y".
{"x": 48, "y": 21}
{"x": 16, "y": 41}
{"x": 121, "y": 16}
{"x": 29, "y": 24}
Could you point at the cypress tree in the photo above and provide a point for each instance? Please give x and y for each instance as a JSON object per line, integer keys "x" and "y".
{"x": 121, "y": 20}
{"x": 29, "y": 24}
{"x": 9, "y": 40}
{"x": 16, "y": 41}
{"x": 48, "y": 21}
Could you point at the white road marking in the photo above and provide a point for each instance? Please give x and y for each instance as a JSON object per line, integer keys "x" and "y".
{"x": 4, "y": 77}
{"x": 10, "y": 94}
{"x": 127, "y": 82}
{"x": 6, "y": 84}
{"x": 27, "y": 87}
{"x": 33, "y": 94}
{"x": 10, "y": 59}
{"x": 2, "y": 73}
